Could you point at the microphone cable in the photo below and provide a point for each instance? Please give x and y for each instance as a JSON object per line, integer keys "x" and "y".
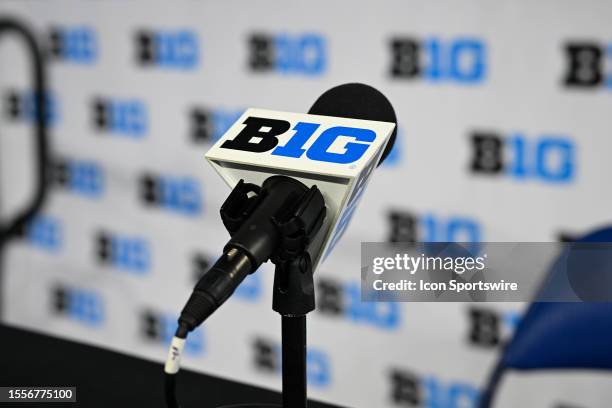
{"x": 211, "y": 291}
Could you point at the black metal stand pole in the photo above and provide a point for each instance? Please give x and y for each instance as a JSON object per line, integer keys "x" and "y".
{"x": 294, "y": 298}
{"x": 294, "y": 361}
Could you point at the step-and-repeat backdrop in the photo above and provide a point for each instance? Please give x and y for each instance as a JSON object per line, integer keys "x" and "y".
{"x": 504, "y": 135}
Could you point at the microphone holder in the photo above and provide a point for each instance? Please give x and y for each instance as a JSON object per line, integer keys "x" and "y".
{"x": 296, "y": 222}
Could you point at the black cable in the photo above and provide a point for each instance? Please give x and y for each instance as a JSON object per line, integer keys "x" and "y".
{"x": 170, "y": 390}
{"x": 11, "y": 228}
{"x": 211, "y": 291}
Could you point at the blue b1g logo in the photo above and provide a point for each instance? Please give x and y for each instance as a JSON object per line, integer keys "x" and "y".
{"x": 460, "y": 60}
{"x": 82, "y": 305}
{"x": 178, "y": 194}
{"x": 177, "y": 49}
{"x": 46, "y": 233}
{"x": 411, "y": 389}
{"x": 74, "y": 44}
{"x": 209, "y": 125}
{"x": 406, "y": 226}
{"x": 254, "y": 139}
{"x": 452, "y": 229}
{"x": 21, "y": 106}
{"x": 336, "y": 299}
{"x": 304, "y": 54}
{"x": 122, "y": 117}
{"x": 549, "y": 158}
{"x": 132, "y": 254}
{"x": 83, "y": 177}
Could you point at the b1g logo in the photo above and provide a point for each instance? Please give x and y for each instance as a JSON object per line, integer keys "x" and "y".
{"x": 159, "y": 328}
{"x": 405, "y": 226}
{"x": 178, "y": 194}
{"x": 261, "y": 135}
{"x": 548, "y": 158}
{"x": 208, "y": 125}
{"x": 267, "y": 358}
{"x": 44, "y": 232}
{"x": 177, "y": 49}
{"x": 128, "y": 253}
{"x": 411, "y": 390}
{"x": 489, "y": 328}
{"x": 122, "y": 117}
{"x": 74, "y": 44}
{"x": 335, "y": 299}
{"x": 82, "y": 305}
{"x": 588, "y": 65}
{"x": 304, "y": 54}
{"x": 83, "y": 177}
{"x": 460, "y": 60}
{"x": 21, "y": 107}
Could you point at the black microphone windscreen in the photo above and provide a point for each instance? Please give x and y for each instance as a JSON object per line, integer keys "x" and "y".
{"x": 357, "y": 101}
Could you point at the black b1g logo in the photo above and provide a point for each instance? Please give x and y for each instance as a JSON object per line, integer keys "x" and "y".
{"x": 303, "y": 54}
{"x": 261, "y": 135}
{"x": 586, "y": 65}
{"x": 549, "y": 158}
{"x": 460, "y": 60}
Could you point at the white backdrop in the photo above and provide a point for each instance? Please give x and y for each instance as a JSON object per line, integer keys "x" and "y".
{"x": 140, "y": 90}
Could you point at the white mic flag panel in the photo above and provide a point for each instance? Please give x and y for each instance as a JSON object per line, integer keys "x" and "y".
{"x": 335, "y": 154}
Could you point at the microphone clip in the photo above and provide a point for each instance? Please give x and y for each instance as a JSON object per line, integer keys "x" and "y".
{"x": 294, "y": 287}
{"x": 292, "y": 224}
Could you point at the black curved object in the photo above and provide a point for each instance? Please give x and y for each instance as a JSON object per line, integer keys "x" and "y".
{"x": 357, "y": 101}
{"x": 10, "y": 26}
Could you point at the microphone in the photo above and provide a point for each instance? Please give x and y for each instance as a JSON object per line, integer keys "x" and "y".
{"x": 296, "y": 179}
{"x": 258, "y": 236}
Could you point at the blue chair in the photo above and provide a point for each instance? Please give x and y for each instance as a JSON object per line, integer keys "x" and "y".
{"x": 558, "y": 335}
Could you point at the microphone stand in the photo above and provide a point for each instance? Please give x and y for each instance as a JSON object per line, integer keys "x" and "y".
{"x": 293, "y": 296}
{"x": 293, "y": 299}
{"x": 278, "y": 221}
